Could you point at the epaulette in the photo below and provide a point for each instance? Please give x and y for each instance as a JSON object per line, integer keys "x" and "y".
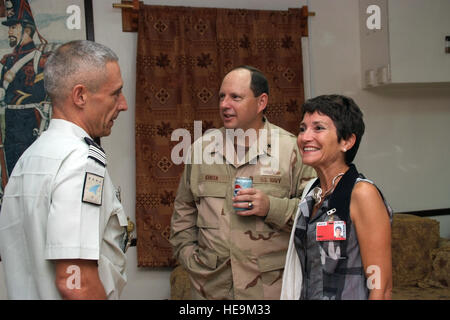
{"x": 96, "y": 152}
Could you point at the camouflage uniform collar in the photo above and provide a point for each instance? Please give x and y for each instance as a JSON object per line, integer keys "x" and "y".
{"x": 267, "y": 150}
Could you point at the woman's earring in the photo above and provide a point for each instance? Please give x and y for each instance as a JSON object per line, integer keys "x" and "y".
{"x": 345, "y": 149}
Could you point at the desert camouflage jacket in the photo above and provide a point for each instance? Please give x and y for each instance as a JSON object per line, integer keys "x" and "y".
{"x": 226, "y": 255}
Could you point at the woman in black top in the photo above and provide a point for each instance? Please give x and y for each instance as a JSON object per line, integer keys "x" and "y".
{"x": 357, "y": 264}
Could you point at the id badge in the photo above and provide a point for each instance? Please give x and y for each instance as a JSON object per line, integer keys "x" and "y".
{"x": 330, "y": 231}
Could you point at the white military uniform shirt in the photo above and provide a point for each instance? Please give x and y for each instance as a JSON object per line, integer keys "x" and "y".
{"x": 43, "y": 216}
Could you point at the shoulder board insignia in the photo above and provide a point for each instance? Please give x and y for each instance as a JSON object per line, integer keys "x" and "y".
{"x": 96, "y": 152}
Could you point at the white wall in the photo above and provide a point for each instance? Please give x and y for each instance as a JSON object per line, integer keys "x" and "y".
{"x": 404, "y": 150}
{"x": 3, "y": 295}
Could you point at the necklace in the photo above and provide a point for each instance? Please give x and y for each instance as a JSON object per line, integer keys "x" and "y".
{"x": 317, "y": 191}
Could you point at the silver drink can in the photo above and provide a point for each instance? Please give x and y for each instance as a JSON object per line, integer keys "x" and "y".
{"x": 242, "y": 183}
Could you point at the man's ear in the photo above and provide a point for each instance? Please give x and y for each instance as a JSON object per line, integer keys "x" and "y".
{"x": 79, "y": 95}
{"x": 263, "y": 99}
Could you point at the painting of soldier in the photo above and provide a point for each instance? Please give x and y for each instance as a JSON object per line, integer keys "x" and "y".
{"x": 30, "y": 30}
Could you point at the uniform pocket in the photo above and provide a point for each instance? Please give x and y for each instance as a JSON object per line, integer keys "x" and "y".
{"x": 204, "y": 263}
{"x": 206, "y": 258}
{"x": 114, "y": 237}
{"x": 271, "y": 266}
{"x": 276, "y": 189}
{"x": 210, "y": 205}
{"x": 272, "y": 261}
{"x": 113, "y": 277}
{"x": 121, "y": 216}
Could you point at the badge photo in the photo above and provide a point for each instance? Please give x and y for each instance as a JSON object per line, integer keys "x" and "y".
{"x": 330, "y": 231}
{"x": 93, "y": 189}
{"x": 339, "y": 230}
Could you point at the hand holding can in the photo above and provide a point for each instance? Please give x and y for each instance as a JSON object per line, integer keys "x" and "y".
{"x": 239, "y": 184}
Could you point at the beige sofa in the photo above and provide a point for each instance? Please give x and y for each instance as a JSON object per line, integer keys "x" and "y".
{"x": 420, "y": 259}
{"x": 420, "y": 262}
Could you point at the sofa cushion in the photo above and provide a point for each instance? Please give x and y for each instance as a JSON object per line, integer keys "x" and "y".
{"x": 416, "y": 293}
{"x": 439, "y": 276}
{"x": 413, "y": 239}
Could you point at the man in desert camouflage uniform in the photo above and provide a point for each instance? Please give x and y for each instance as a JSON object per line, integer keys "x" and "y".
{"x": 239, "y": 254}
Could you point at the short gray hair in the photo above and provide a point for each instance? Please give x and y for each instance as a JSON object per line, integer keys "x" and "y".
{"x": 76, "y": 62}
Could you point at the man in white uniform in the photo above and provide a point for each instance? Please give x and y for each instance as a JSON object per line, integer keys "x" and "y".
{"x": 62, "y": 228}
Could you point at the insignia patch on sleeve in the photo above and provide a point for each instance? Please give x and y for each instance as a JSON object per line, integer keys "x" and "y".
{"x": 93, "y": 189}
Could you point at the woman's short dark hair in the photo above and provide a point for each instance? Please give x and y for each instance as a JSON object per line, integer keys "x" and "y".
{"x": 346, "y": 115}
{"x": 258, "y": 82}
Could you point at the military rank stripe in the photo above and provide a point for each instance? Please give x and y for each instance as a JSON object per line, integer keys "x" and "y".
{"x": 97, "y": 154}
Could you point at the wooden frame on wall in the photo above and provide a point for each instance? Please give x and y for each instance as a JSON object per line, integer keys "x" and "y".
{"x": 89, "y": 19}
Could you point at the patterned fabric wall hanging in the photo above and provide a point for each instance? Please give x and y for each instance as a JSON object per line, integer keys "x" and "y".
{"x": 183, "y": 54}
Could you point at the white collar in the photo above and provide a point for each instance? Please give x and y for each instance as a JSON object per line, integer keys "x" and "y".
{"x": 67, "y": 127}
